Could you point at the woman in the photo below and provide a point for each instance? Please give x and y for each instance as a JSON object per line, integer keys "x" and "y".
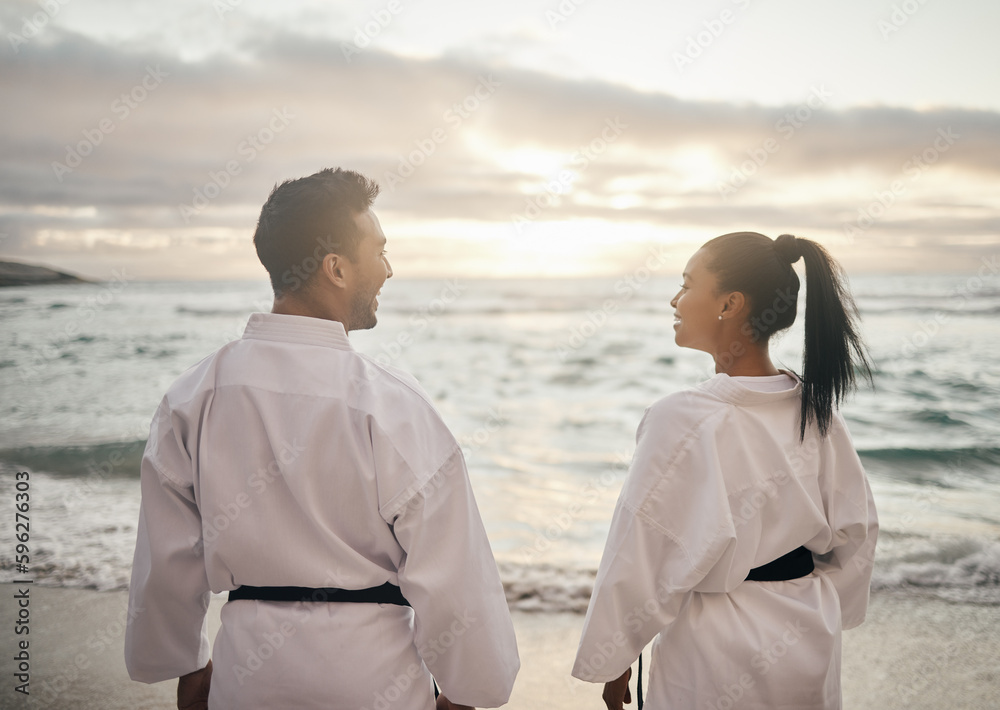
{"x": 745, "y": 532}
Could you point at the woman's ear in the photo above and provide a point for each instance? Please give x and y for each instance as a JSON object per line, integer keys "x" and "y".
{"x": 734, "y": 303}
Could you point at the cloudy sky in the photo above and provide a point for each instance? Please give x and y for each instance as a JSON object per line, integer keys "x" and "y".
{"x": 516, "y": 138}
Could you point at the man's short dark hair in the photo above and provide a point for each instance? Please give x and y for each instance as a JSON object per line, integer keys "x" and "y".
{"x": 303, "y": 220}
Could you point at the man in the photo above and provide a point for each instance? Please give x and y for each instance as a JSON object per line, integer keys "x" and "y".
{"x": 288, "y": 460}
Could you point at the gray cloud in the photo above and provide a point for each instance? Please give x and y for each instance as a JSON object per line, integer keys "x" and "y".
{"x": 199, "y": 117}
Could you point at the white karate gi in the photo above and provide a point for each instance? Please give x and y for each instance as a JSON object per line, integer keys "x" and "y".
{"x": 288, "y": 459}
{"x": 719, "y": 485}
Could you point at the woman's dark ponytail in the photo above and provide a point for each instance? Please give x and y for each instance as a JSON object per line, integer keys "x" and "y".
{"x": 834, "y": 350}
{"x": 761, "y": 269}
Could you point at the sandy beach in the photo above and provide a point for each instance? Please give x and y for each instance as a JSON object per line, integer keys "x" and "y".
{"x": 911, "y": 653}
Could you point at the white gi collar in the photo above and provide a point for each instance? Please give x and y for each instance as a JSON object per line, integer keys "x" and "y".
{"x": 297, "y": 329}
{"x": 726, "y": 388}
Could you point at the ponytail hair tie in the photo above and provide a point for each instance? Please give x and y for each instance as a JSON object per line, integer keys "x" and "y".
{"x": 788, "y": 248}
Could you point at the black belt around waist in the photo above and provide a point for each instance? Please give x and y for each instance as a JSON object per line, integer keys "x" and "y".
{"x": 386, "y": 594}
{"x": 797, "y": 563}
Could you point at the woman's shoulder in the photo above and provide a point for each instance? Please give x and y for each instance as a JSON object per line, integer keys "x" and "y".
{"x": 682, "y": 411}
{"x": 690, "y": 401}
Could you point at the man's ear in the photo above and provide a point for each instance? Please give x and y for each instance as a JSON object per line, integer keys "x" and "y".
{"x": 336, "y": 269}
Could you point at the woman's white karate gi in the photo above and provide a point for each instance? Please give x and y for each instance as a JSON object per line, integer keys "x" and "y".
{"x": 721, "y": 483}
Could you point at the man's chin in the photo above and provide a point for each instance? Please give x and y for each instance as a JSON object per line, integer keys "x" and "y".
{"x": 365, "y": 323}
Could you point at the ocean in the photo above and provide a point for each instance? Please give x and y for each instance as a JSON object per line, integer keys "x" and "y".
{"x": 543, "y": 382}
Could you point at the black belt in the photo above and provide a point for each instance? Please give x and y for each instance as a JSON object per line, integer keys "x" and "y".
{"x": 797, "y": 563}
{"x": 386, "y": 594}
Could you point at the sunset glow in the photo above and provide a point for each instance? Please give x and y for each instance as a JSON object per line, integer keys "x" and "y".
{"x": 506, "y": 142}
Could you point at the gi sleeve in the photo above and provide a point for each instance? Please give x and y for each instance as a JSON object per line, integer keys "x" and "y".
{"x": 850, "y": 509}
{"x": 463, "y": 630}
{"x": 166, "y": 634}
{"x": 671, "y": 529}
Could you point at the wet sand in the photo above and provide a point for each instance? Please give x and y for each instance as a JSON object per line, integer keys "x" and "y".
{"x": 911, "y": 653}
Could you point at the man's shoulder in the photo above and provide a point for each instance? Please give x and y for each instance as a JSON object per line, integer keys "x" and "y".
{"x": 384, "y": 382}
{"x": 195, "y": 380}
